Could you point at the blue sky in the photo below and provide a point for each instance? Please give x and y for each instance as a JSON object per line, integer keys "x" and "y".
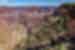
{"x": 33, "y": 2}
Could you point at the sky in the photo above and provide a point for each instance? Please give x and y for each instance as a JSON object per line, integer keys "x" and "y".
{"x": 34, "y": 2}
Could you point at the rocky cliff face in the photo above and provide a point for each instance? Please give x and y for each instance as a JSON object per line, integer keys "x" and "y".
{"x": 10, "y": 24}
